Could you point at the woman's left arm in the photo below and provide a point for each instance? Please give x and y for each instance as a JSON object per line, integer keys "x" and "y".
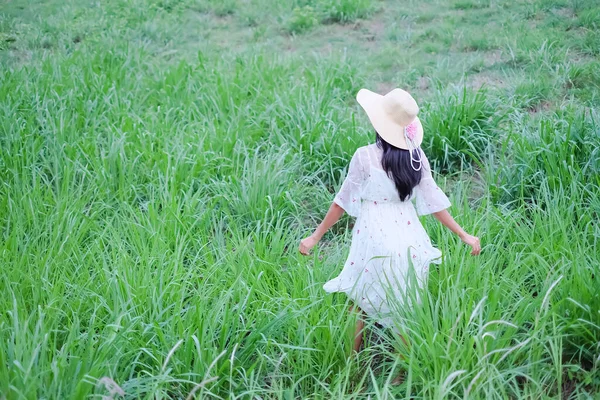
{"x": 346, "y": 200}
{"x": 333, "y": 215}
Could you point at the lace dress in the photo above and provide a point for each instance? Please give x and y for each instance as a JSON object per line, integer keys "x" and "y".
{"x": 388, "y": 241}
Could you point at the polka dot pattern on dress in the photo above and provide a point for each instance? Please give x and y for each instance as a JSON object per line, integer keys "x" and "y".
{"x": 391, "y": 238}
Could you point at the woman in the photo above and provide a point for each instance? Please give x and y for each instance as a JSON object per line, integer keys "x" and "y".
{"x": 389, "y": 245}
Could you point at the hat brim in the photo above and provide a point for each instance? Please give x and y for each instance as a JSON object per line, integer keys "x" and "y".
{"x": 388, "y": 129}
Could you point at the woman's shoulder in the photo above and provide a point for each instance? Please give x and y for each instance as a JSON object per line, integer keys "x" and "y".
{"x": 367, "y": 149}
{"x": 361, "y": 153}
{"x": 365, "y": 156}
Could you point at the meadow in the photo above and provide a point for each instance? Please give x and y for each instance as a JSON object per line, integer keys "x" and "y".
{"x": 161, "y": 159}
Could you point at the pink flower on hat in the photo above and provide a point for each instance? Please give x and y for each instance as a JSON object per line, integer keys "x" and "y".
{"x": 411, "y": 130}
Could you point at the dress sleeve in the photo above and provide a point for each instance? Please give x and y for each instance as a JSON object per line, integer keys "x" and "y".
{"x": 349, "y": 195}
{"x": 429, "y": 198}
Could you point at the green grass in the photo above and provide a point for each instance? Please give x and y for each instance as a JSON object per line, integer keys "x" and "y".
{"x": 160, "y": 161}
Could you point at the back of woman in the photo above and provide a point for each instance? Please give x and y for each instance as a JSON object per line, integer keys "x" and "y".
{"x": 390, "y": 249}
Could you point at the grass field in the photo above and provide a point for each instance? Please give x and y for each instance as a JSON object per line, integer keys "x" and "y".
{"x": 160, "y": 161}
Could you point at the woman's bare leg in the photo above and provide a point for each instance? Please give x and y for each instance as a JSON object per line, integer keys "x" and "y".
{"x": 399, "y": 379}
{"x": 358, "y": 330}
{"x": 405, "y": 343}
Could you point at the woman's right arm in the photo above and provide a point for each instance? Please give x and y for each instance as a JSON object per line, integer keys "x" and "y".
{"x": 445, "y": 218}
{"x": 430, "y": 199}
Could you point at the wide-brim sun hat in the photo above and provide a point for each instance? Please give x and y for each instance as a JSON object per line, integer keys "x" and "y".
{"x": 394, "y": 117}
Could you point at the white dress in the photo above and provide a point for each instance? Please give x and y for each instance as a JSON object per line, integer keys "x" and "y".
{"x": 388, "y": 240}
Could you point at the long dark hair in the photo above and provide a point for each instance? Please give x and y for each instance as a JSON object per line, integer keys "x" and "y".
{"x": 396, "y": 163}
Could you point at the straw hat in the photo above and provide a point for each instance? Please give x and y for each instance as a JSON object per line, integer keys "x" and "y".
{"x": 394, "y": 117}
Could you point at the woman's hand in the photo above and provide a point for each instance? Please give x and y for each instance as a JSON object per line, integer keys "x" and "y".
{"x": 472, "y": 241}
{"x": 445, "y": 218}
{"x": 307, "y": 243}
{"x": 333, "y": 215}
